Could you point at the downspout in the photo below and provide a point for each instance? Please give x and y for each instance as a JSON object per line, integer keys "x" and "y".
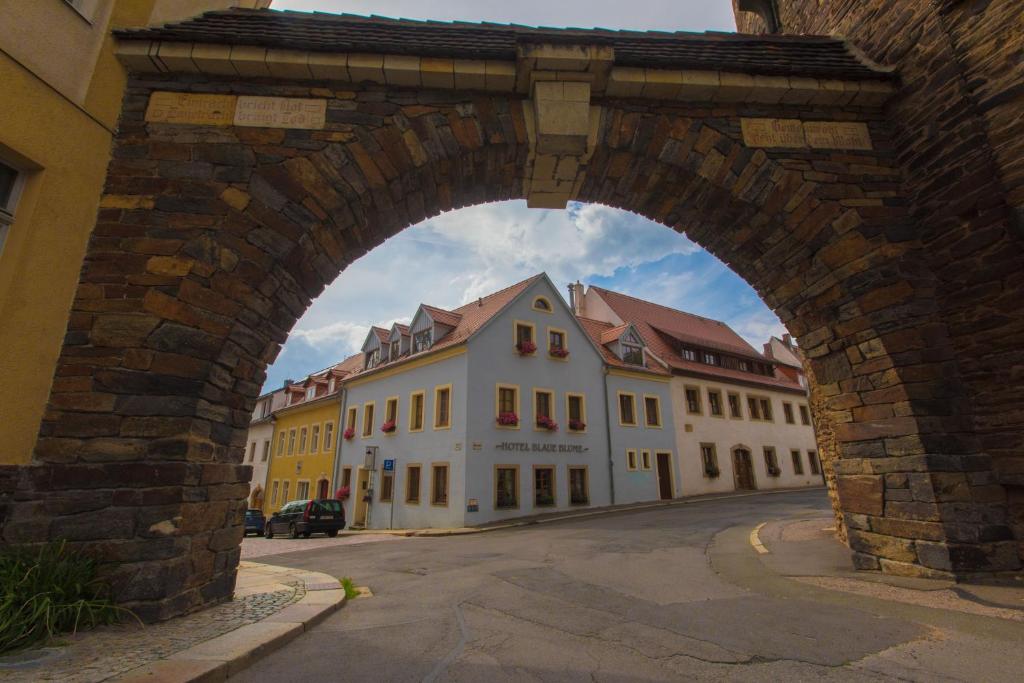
{"x": 338, "y": 438}
{"x": 608, "y": 437}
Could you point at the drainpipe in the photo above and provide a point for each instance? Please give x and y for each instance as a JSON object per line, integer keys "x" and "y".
{"x": 338, "y": 438}
{"x": 608, "y": 437}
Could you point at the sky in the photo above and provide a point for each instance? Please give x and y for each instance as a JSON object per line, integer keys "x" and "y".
{"x": 456, "y": 257}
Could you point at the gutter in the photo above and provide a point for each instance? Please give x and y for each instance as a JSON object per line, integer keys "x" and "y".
{"x": 608, "y": 438}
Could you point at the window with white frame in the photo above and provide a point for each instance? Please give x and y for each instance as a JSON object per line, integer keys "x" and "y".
{"x": 632, "y": 349}
{"x": 421, "y": 341}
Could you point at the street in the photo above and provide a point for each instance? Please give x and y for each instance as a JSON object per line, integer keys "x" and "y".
{"x": 673, "y": 593}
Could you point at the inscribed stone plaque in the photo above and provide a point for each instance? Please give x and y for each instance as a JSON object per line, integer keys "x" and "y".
{"x": 177, "y": 107}
{"x": 837, "y": 134}
{"x": 280, "y": 112}
{"x": 773, "y": 133}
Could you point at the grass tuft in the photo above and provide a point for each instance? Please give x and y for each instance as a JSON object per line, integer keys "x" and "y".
{"x": 350, "y": 588}
{"x": 46, "y": 590}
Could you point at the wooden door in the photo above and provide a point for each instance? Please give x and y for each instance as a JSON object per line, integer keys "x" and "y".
{"x": 743, "y": 468}
{"x": 322, "y": 491}
{"x": 664, "y": 476}
{"x": 362, "y": 490}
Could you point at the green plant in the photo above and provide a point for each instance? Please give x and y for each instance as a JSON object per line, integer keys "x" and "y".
{"x": 350, "y": 588}
{"x": 48, "y": 589}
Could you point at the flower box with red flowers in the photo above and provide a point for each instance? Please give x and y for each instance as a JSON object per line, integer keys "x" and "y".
{"x": 508, "y": 419}
{"x": 343, "y": 493}
{"x": 577, "y": 425}
{"x": 388, "y": 427}
{"x": 558, "y": 352}
{"x": 526, "y": 348}
{"x": 545, "y": 422}
{"x": 349, "y": 434}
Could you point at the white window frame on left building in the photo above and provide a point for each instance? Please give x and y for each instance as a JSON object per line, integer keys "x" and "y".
{"x": 9, "y": 195}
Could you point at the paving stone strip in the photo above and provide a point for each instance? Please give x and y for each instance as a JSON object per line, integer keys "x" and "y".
{"x": 271, "y": 605}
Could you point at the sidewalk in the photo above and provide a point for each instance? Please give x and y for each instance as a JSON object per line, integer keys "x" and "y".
{"x": 272, "y": 606}
{"x": 807, "y": 551}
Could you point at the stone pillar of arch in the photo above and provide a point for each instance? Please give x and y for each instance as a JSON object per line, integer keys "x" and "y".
{"x": 245, "y": 178}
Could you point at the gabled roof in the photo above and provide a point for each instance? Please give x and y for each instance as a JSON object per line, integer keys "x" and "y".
{"x": 402, "y": 330}
{"x": 598, "y": 331}
{"x": 441, "y": 316}
{"x": 785, "y": 55}
{"x": 653, "y": 320}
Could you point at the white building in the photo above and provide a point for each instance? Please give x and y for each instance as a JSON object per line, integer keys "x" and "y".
{"x": 258, "y": 443}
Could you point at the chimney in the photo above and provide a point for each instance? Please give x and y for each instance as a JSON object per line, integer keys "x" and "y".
{"x": 577, "y": 302}
{"x": 787, "y": 339}
{"x": 287, "y": 383}
{"x": 572, "y": 297}
{"x": 768, "y": 350}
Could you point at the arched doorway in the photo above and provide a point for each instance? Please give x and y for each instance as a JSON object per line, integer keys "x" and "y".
{"x": 323, "y": 489}
{"x": 743, "y": 469}
{"x": 224, "y": 216}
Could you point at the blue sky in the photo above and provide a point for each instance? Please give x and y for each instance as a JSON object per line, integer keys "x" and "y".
{"x": 456, "y": 257}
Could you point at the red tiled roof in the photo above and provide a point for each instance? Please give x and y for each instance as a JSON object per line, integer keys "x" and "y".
{"x": 440, "y": 315}
{"x": 786, "y": 55}
{"x": 649, "y": 318}
{"x": 403, "y": 330}
{"x": 381, "y": 333}
{"x": 599, "y": 331}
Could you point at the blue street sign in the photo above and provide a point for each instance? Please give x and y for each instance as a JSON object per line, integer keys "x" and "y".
{"x": 389, "y": 465}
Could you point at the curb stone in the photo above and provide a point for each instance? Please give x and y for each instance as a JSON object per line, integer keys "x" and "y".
{"x": 226, "y": 655}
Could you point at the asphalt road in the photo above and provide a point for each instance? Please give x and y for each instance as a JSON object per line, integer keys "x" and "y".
{"x": 665, "y": 594}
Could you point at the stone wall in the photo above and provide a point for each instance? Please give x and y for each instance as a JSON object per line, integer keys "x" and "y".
{"x": 960, "y": 137}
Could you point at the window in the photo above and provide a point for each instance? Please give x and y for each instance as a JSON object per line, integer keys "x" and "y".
{"x": 753, "y": 408}
{"x": 284, "y": 491}
{"x": 395, "y": 351}
{"x": 734, "y": 406}
{"x": 507, "y": 406}
{"x": 439, "y": 485}
{"x": 543, "y": 408}
{"x": 652, "y": 411}
{"x": 693, "y": 401}
{"x": 443, "y": 407}
{"x": 688, "y": 354}
{"x": 576, "y": 412}
{"x": 328, "y": 436}
{"x": 805, "y": 418}
{"x": 252, "y": 451}
{"x": 266, "y": 451}
{"x": 709, "y": 459}
{"x": 302, "y": 440}
{"x": 632, "y": 349}
{"x": 412, "y": 484}
{"x": 391, "y": 412}
{"x": 302, "y": 490}
{"x": 645, "y": 460}
{"x": 524, "y": 337}
{"x": 387, "y": 487}
{"x": 798, "y": 463}
{"x": 280, "y": 444}
{"x": 766, "y": 410}
{"x": 542, "y": 304}
{"x": 350, "y": 420}
{"x": 416, "y": 400}
{"x": 579, "y": 486}
{"x": 557, "y": 346}
{"x": 310, "y": 393}
{"x": 710, "y": 358}
{"x": 373, "y": 358}
{"x": 346, "y": 476}
{"x": 421, "y": 341}
{"x": 771, "y": 462}
{"x": 330, "y": 386}
{"x": 273, "y": 492}
{"x": 812, "y": 460}
{"x": 715, "y": 403}
{"x": 787, "y": 412}
{"x": 543, "y": 486}
{"x": 627, "y": 409}
{"x": 745, "y": 365}
{"x": 291, "y": 442}
{"x": 631, "y": 459}
{"x": 314, "y": 439}
{"x": 506, "y": 486}
{"x": 368, "y": 418}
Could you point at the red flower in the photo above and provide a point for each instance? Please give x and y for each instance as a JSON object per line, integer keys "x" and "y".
{"x": 547, "y": 423}
{"x": 388, "y": 427}
{"x": 577, "y": 425}
{"x": 559, "y": 352}
{"x": 508, "y": 419}
{"x": 349, "y": 434}
{"x": 342, "y": 493}
{"x": 525, "y": 348}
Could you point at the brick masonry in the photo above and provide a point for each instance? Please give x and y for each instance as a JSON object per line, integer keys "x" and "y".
{"x": 211, "y": 241}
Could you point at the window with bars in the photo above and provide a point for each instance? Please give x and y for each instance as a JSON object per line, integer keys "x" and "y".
{"x": 506, "y": 485}
{"x": 544, "y": 487}
{"x": 709, "y": 459}
{"x": 412, "y": 484}
{"x": 579, "y": 493}
{"x": 387, "y": 486}
{"x": 439, "y": 485}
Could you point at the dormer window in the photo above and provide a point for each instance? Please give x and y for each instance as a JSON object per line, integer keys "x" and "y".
{"x": 396, "y": 350}
{"x": 373, "y": 358}
{"x": 745, "y": 365}
{"x": 542, "y": 304}
{"x": 711, "y": 358}
{"x": 421, "y": 341}
{"x": 688, "y": 354}
{"x": 632, "y": 348}
{"x": 310, "y": 393}
{"x": 330, "y": 386}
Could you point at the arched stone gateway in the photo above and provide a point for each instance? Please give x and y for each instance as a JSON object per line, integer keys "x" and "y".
{"x": 260, "y": 153}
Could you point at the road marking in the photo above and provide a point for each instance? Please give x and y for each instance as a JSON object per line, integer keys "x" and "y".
{"x": 755, "y": 539}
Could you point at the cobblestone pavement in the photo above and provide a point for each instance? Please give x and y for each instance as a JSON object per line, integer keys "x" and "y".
{"x": 97, "y": 655}
{"x": 257, "y": 546}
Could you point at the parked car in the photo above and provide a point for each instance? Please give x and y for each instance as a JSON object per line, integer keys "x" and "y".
{"x": 255, "y": 522}
{"x": 305, "y": 517}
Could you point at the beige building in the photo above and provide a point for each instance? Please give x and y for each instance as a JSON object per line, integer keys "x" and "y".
{"x": 741, "y": 421}
{"x": 258, "y": 444}
{"x": 62, "y": 92}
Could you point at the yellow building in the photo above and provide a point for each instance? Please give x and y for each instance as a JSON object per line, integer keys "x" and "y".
{"x": 304, "y": 441}
{"x": 62, "y": 91}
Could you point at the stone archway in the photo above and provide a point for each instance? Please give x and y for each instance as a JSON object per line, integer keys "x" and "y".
{"x": 245, "y": 178}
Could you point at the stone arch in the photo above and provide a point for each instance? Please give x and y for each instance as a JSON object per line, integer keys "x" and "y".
{"x": 212, "y": 241}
